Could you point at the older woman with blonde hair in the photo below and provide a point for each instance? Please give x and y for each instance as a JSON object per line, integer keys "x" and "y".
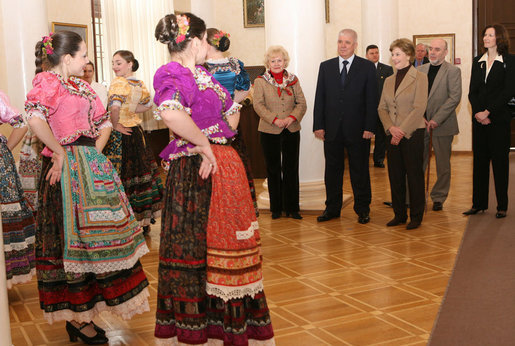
{"x": 401, "y": 110}
{"x": 280, "y": 103}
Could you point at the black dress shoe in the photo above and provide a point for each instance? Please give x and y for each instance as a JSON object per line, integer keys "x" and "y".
{"x": 500, "y": 214}
{"x": 413, "y": 224}
{"x": 437, "y": 206}
{"x": 364, "y": 218}
{"x": 396, "y": 221}
{"x": 326, "y": 216}
{"x": 75, "y": 333}
{"x": 379, "y": 164}
{"x": 473, "y": 211}
{"x": 276, "y": 215}
{"x": 294, "y": 215}
{"x": 146, "y": 230}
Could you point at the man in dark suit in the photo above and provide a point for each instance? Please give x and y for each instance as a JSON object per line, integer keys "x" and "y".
{"x": 382, "y": 72}
{"x": 344, "y": 117}
{"x": 420, "y": 55}
{"x": 444, "y": 96}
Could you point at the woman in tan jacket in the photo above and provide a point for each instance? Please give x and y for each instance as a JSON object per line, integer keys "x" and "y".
{"x": 401, "y": 109}
{"x": 280, "y": 103}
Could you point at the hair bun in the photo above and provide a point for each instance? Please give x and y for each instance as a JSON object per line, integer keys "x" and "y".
{"x": 167, "y": 31}
{"x": 224, "y": 43}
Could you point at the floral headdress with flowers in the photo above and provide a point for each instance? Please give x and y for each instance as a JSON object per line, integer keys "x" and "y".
{"x": 218, "y": 36}
{"x": 47, "y": 48}
{"x": 184, "y": 26}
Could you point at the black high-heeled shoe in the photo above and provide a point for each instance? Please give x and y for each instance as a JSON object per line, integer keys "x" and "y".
{"x": 473, "y": 211}
{"x": 294, "y": 215}
{"x": 75, "y": 333}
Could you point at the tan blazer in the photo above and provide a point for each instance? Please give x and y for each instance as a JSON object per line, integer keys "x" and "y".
{"x": 444, "y": 97}
{"x": 405, "y": 108}
{"x": 269, "y": 105}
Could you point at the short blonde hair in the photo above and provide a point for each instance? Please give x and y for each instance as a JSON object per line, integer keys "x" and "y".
{"x": 273, "y": 51}
{"x": 406, "y": 45}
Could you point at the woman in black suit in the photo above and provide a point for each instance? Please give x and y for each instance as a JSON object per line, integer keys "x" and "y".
{"x": 492, "y": 85}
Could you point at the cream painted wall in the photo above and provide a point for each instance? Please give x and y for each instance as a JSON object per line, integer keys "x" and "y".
{"x": 74, "y": 12}
{"x": 247, "y": 44}
{"x": 182, "y": 5}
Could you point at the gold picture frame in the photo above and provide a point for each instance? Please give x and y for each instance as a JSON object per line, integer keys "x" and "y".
{"x": 449, "y": 38}
{"x": 253, "y": 13}
{"x": 327, "y": 14}
{"x": 80, "y": 29}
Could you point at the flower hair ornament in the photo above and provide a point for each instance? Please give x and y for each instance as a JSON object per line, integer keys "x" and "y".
{"x": 184, "y": 26}
{"x": 47, "y": 48}
{"x": 218, "y": 36}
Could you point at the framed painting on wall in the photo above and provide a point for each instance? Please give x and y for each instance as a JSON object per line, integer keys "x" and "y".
{"x": 253, "y": 13}
{"x": 449, "y": 38}
{"x": 80, "y": 29}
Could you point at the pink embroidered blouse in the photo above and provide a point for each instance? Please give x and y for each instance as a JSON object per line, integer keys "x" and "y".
{"x": 70, "y": 107}
{"x": 9, "y": 114}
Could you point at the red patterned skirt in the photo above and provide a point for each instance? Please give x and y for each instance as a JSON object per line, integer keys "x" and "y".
{"x": 210, "y": 282}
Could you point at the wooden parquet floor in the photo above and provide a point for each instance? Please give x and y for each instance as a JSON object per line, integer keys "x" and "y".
{"x": 335, "y": 283}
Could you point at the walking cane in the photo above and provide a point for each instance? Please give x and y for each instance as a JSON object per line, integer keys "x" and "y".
{"x": 428, "y": 165}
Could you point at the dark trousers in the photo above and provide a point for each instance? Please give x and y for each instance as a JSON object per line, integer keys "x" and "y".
{"x": 406, "y": 160}
{"x": 379, "y": 143}
{"x": 490, "y": 143}
{"x": 358, "y": 153}
{"x": 282, "y": 168}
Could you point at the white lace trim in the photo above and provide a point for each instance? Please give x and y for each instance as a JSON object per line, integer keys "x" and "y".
{"x": 21, "y": 279}
{"x": 235, "y": 107}
{"x": 10, "y": 207}
{"x": 211, "y": 342}
{"x": 136, "y": 305}
{"x": 100, "y": 268}
{"x": 20, "y": 246}
{"x": 172, "y": 105}
{"x": 35, "y": 114}
{"x": 227, "y": 293}
{"x": 106, "y": 123}
{"x": 249, "y": 233}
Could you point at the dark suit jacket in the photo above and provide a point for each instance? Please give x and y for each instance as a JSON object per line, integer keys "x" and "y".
{"x": 383, "y": 71}
{"x": 354, "y": 110}
{"x": 496, "y": 92}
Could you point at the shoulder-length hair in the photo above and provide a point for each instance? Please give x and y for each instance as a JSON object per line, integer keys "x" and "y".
{"x": 502, "y": 38}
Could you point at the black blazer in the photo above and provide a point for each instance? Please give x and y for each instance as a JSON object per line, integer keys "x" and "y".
{"x": 496, "y": 92}
{"x": 355, "y": 108}
{"x": 383, "y": 71}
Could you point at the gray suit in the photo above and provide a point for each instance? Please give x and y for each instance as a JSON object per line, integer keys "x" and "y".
{"x": 444, "y": 97}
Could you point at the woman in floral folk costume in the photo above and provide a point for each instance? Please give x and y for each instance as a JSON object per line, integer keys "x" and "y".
{"x": 128, "y": 147}
{"x": 231, "y": 73}
{"x": 88, "y": 242}
{"x": 17, "y": 220}
{"x": 210, "y": 277}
